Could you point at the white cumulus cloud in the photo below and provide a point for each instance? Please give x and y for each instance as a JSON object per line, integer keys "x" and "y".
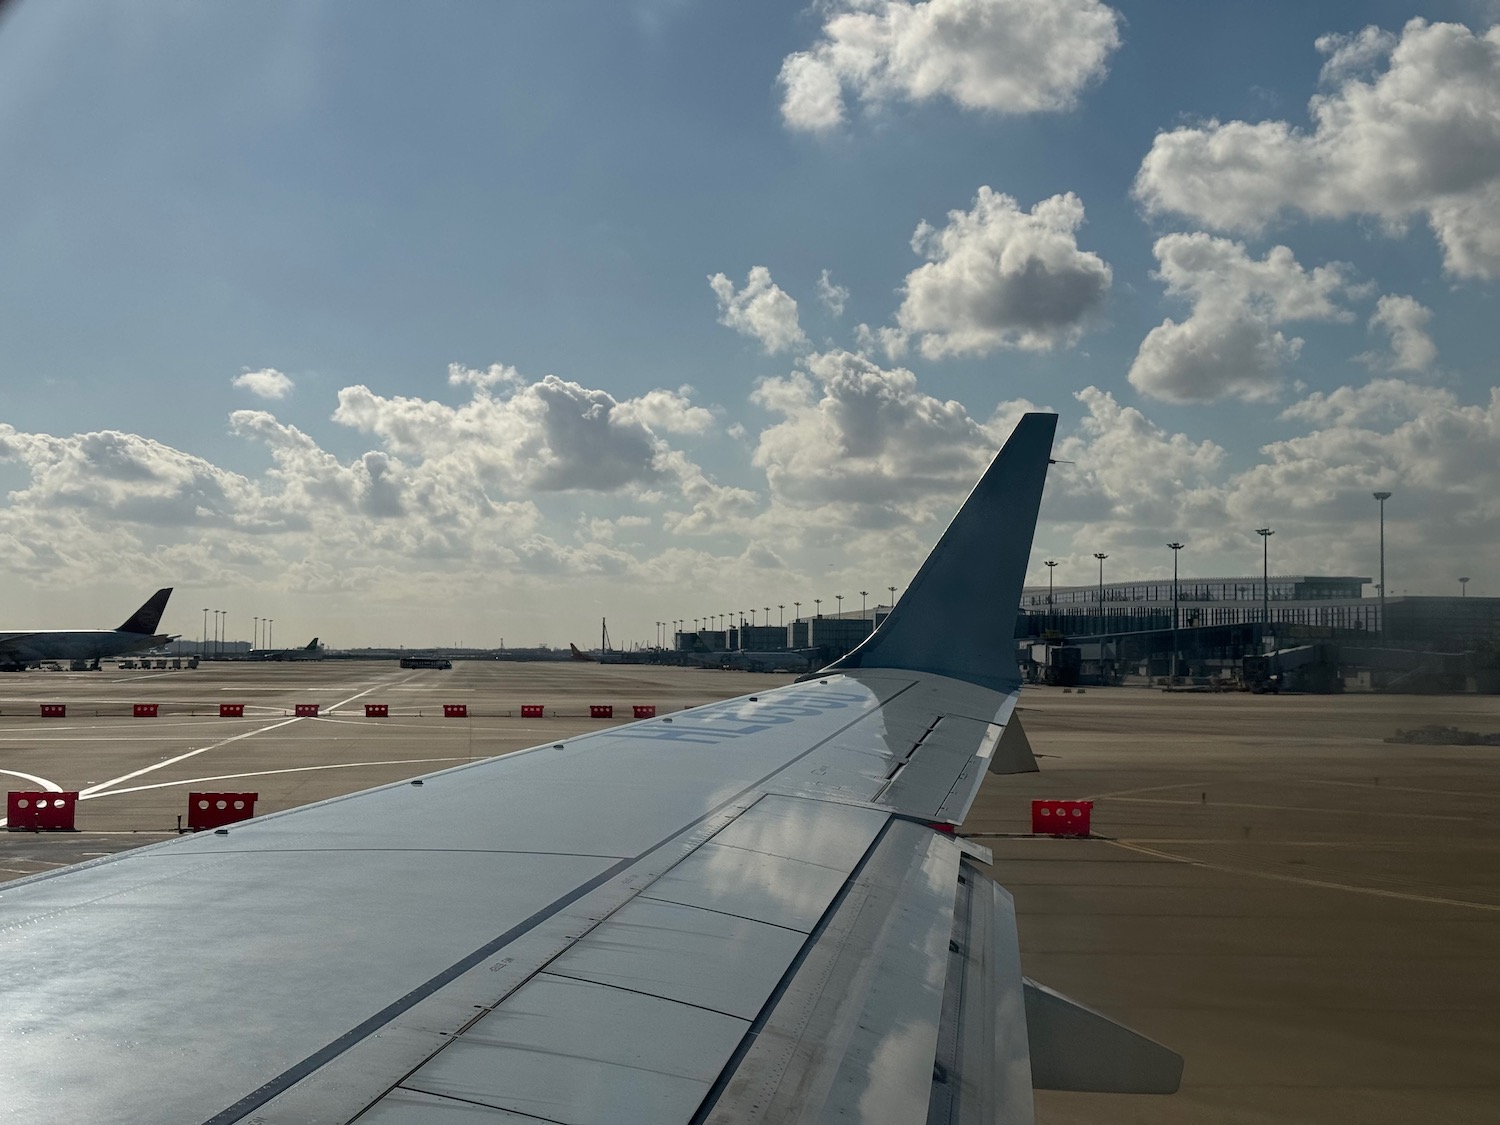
{"x": 865, "y": 438}
{"x": 1001, "y": 56}
{"x": 1419, "y": 138}
{"x": 761, "y": 310}
{"x": 1405, "y": 320}
{"x": 834, "y": 297}
{"x": 1230, "y": 345}
{"x": 997, "y": 276}
{"x": 268, "y": 383}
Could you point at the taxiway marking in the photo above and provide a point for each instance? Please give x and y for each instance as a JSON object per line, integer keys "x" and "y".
{"x": 1326, "y": 884}
{"x": 98, "y": 790}
{"x": 49, "y": 786}
{"x": 268, "y": 773}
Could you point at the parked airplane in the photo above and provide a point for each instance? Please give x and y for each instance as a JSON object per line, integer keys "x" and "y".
{"x": 309, "y": 651}
{"x": 755, "y": 910}
{"x": 22, "y": 649}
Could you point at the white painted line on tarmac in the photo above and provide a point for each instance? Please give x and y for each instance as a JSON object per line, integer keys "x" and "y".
{"x": 49, "y": 786}
{"x": 97, "y": 790}
{"x": 268, "y": 773}
{"x": 1309, "y": 810}
{"x": 1326, "y": 884}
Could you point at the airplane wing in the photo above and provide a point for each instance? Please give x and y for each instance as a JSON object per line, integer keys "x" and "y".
{"x": 753, "y": 911}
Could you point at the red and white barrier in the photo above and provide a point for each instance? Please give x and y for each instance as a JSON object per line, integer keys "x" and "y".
{"x": 214, "y": 810}
{"x": 40, "y": 812}
{"x": 1061, "y": 818}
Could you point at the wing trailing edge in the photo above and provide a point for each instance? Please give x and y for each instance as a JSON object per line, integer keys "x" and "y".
{"x": 958, "y": 616}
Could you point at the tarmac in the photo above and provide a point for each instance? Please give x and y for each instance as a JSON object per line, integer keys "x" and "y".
{"x": 1309, "y": 914}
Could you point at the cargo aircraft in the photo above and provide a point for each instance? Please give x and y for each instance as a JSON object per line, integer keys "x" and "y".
{"x": 24, "y": 648}
{"x": 752, "y": 911}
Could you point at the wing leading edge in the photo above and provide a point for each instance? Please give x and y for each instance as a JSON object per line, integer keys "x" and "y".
{"x": 736, "y": 913}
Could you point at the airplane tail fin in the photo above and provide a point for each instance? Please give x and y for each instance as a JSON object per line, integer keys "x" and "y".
{"x": 148, "y": 617}
{"x": 311, "y": 646}
{"x": 958, "y": 616}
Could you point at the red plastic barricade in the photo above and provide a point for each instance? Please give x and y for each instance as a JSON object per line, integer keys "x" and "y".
{"x": 213, "y": 810}
{"x": 307, "y": 710}
{"x": 377, "y": 710}
{"x": 601, "y": 711}
{"x": 231, "y": 710}
{"x": 145, "y": 710}
{"x": 40, "y": 812}
{"x": 531, "y": 710}
{"x": 455, "y": 710}
{"x": 54, "y": 710}
{"x": 644, "y": 710}
{"x": 1061, "y": 818}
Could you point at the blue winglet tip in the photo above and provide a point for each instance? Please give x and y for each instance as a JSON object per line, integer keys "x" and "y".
{"x": 957, "y": 617}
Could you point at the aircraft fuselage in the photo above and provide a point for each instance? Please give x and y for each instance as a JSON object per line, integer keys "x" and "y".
{"x": 23, "y": 649}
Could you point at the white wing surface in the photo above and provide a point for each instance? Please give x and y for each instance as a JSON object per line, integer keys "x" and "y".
{"x": 745, "y": 912}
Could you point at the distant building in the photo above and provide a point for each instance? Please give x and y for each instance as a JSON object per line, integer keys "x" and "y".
{"x": 1118, "y": 607}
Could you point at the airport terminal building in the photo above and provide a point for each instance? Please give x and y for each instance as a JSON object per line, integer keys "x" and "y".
{"x": 1314, "y": 632}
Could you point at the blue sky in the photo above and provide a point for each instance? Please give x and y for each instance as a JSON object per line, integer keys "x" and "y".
{"x": 453, "y": 322}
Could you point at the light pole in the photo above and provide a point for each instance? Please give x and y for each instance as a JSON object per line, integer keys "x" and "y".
{"x": 780, "y": 613}
{"x": 1463, "y": 587}
{"x": 863, "y": 594}
{"x": 840, "y": 598}
{"x": 1382, "y": 497}
{"x": 1265, "y": 534}
{"x": 817, "y": 607}
{"x": 1101, "y": 556}
{"x": 203, "y": 644}
{"x": 254, "y": 632}
{"x": 796, "y": 611}
{"x": 1172, "y": 675}
{"x": 270, "y": 630}
{"x": 892, "y": 589}
{"x": 1050, "y": 564}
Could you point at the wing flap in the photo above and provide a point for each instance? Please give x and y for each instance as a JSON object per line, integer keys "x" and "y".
{"x": 853, "y": 1034}
{"x": 983, "y": 1068}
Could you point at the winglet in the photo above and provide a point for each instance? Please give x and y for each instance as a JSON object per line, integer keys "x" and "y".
{"x": 958, "y": 616}
{"x": 148, "y": 617}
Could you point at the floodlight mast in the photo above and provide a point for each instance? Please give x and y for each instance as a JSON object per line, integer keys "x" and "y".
{"x": 1172, "y": 675}
{"x": 1382, "y": 497}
